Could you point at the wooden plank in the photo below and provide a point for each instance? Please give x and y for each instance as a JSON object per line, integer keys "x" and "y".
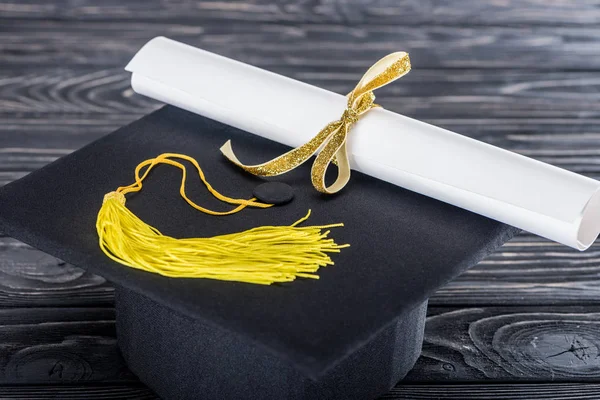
{"x": 311, "y": 45}
{"x": 528, "y": 270}
{"x": 30, "y": 142}
{"x": 59, "y": 345}
{"x": 448, "y": 93}
{"x": 509, "y": 344}
{"x": 494, "y": 344}
{"x": 411, "y": 12}
{"x": 70, "y": 90}
{"x": 571, "y": 391}
{"x": 132, "y": 391}
{"x": 504, "y": 391}
{"x": 29, "y": 277}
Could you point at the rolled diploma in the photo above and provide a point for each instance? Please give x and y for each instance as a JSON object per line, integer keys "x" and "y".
{"x": 537, "y": 197}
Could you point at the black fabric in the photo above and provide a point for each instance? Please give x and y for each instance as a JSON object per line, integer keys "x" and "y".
{"x": 403, "y": 245}
{"x": 184, "y": 358}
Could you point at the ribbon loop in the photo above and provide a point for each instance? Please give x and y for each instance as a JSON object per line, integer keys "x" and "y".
{"x": 332, "y": 139}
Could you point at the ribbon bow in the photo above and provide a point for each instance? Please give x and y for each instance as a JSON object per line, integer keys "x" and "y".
{"x": 332, "y": 138}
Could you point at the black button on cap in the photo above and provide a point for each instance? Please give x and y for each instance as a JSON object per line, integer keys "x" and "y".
{"x": 276, "y": 193}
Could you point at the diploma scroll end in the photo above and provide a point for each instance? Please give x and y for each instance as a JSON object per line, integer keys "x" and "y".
{"x": 589, "y": 227}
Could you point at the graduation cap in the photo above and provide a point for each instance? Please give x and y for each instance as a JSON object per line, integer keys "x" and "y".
{"x": 352, "y": 333}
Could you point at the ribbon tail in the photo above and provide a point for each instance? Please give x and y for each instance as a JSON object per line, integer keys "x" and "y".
{"x": 287, "y": 161}
{"x": 334, "y": 151}
{"x": 386, "y": 70}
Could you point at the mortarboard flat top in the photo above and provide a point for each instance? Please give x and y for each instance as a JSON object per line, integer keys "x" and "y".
{"x": 403, "y": 245}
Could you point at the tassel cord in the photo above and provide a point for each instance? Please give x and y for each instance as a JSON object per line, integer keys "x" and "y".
{"x": 167, "y": 158}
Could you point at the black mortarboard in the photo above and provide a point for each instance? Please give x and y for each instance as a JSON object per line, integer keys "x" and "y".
{"x": 352, "y": 334}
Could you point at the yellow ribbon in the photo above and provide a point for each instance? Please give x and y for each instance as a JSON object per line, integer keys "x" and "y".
{"x": 332, "y": 138}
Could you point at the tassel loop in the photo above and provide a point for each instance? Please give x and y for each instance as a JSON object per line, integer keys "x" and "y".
{"x": 118, "y": 196}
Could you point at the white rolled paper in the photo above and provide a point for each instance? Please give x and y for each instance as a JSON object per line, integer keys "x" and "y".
{"x": 499, "y": 184}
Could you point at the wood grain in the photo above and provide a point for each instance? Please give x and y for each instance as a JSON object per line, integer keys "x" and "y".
{"x": 270, "y": 46}
{"x": 132, "y": 391}
{"x": 510, "y": 344}
{"x": 528, "y": 270}
{"x": 447, "y": 93}
{"x": 573, "y": 391}
{"x": 491, "y": 344}
{"x": 409, "y": 12}
{"x": 505, "y": 391}
{"x": 59, "y": 345}
{"x": 29, "y": 277}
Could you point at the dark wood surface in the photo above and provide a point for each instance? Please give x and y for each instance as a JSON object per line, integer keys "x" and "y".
{"x": 520, "y": 74}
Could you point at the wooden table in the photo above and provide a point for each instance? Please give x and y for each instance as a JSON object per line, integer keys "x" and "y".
{"x": 520, "y": 74}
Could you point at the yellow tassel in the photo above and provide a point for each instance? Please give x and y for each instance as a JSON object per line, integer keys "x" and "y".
{"x": 262, "y": 255}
